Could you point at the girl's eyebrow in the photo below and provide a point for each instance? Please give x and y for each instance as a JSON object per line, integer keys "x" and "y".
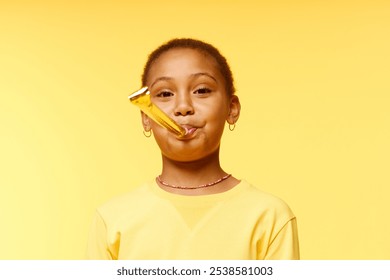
{"x": 195, "y": 75}
{"x": 204, "y": 74}
{"x": 161, "y": 79}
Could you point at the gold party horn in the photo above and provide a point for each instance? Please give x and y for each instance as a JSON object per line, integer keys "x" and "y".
{"x": 141, "y": 98}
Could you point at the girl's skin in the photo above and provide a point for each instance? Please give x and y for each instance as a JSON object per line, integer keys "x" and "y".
{"x": 188, "y": 86}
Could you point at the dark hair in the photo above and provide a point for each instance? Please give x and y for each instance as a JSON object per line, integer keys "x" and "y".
{"x": 198, "y": 45}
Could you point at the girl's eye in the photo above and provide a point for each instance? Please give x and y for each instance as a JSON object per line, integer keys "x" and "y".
{"x": 202, "y": 91}
{"x": 164, "y": 94}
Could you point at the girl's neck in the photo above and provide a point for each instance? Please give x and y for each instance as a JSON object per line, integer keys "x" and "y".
{"x": 195, "y": 173}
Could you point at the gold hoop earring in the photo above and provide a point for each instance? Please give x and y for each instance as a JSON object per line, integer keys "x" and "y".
{"x": 232, "y": 126}
{"x": 148, "y": 133}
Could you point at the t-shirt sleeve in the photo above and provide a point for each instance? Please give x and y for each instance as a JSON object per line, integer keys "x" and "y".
{"x": 285, "y": 245}
{"x": 97, "y": 248}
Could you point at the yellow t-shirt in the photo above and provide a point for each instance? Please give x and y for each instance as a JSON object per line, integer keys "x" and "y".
{"x": 150, "y": 223}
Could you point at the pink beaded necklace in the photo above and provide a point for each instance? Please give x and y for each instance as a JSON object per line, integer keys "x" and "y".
{"x": 192, "y": 188}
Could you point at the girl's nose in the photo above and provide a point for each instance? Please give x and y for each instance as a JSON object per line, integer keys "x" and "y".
{"x": 183, "y": 105}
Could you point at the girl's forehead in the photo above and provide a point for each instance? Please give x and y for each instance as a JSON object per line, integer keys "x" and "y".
{"x": 183, "y": 59}
{"x": 186, "y": 54}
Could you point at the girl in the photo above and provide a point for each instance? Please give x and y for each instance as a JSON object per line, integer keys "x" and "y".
{"x": 193, "y": 209}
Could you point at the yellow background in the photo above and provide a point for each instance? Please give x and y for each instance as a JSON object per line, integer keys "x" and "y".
{"x": 314, "y": 82}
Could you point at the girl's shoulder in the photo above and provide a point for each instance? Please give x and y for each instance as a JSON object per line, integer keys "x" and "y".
{"x": 133, "y": 200}
{"x": 262, "y": 201}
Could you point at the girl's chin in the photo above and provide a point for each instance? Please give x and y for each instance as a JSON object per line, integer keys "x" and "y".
{"x": 191, "y": 155}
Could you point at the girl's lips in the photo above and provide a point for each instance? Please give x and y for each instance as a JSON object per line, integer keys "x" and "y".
{"x": 190, "y": 130}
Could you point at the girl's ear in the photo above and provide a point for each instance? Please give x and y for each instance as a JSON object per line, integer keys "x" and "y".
{"x": 145, "y": 122}
{"x": 235, "y": 108}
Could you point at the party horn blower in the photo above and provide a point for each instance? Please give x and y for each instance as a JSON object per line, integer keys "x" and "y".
{"x": 141, "y": 98}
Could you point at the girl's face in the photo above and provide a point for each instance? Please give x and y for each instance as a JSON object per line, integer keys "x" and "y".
{"x": 188, "y": 86}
